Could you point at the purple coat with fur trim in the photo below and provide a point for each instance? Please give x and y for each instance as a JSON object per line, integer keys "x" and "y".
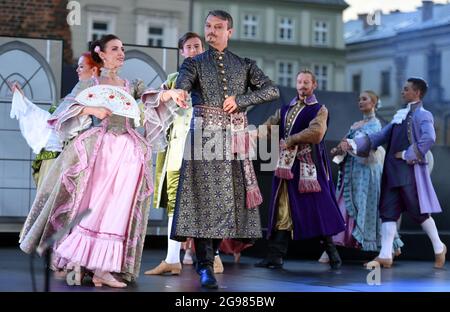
{"x": 313, "y": 214}
{"x": 421, "y": 140}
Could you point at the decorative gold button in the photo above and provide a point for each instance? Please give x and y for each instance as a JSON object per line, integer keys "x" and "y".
{"x": 224, "y": 79}
{"x": 226, "y": 95}
{"x": 225, "y": 88}
{"x": 222, "y": 72}
{"x": 221, "y": 64}
{"x": 220, "y": 58}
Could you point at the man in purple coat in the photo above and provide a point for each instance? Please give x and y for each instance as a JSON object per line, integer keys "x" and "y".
{"x": 406, "y": 184}
{"x": 303, "y": 203}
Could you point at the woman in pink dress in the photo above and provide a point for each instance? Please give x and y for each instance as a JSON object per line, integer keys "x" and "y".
{"x": 105, "y": 167}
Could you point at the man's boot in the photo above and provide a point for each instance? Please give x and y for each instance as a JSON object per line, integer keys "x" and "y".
{"x": 205, "y": 261}
{"x": 207, "y": 278}
{"x": 278, "y": 246}
{"x": 330, "y": 249}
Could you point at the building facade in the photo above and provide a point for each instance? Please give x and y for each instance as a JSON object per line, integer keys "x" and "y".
{"x": 282, "y": 36}
{"x": 383, "y": 50}
{"x": 141, "y": 22}
{"x": 285, "y": 36}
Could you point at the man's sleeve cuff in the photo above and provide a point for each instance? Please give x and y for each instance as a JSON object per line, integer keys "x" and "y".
{"x": 353, "y": 145}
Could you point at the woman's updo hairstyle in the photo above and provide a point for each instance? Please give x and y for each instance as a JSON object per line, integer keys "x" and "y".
{"x": 374, "y": 97}
{"x": 100, "y": 45}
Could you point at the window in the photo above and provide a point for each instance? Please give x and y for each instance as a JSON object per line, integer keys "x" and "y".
{"x": 100, "y": 25}
{"x": 321, "y": 30}
{"x": 25, "y": 63}
{"x": 99, "y": 30}
{"x": 321, "y": 72}
{"x": 356, "y": 83}
{"x": 155, "y": 36}
{"x": 250, "y": 26}
{"x": 285, "y": 73}
{"x": 385, "y": 83}
{"x": 157, "y": 30}
{"x": 286, "y": 29}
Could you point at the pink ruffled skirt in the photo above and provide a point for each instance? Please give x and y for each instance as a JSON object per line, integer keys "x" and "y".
{"x": 98, "y": 241}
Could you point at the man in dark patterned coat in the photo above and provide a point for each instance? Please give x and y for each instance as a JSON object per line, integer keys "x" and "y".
{"x": 218, "y": 196}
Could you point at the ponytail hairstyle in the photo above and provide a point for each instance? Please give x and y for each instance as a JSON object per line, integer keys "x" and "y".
{"x": 100, "y": 45}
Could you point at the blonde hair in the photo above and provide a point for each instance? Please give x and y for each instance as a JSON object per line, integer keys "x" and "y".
{"x": 373, "y": 96}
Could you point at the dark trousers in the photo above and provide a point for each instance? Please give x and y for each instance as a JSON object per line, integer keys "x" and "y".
{"x": 278, "y": 247}
{"x": 205, "y": 250}
{"x": 278, "y": 244}
{"x": 396, "y": 200}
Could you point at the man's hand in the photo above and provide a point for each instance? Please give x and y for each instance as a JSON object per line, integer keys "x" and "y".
{"x": 336, "y": 151}
{"x": 399, "y": 155}
{"x": 345, "y": 146}
{"x": 229, "y": 105}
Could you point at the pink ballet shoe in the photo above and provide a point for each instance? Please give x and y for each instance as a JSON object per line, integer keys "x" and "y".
{"x": 60, "y": 275}
{"x": 100, "y": 281}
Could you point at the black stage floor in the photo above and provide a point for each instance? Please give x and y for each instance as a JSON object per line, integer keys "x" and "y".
{"x": 297, "y": 276}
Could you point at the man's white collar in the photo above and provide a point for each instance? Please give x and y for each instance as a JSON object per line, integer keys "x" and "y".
{"x": 401, "y": 114}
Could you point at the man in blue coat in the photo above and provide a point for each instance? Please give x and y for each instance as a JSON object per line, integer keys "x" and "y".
{"x": 406, "y": 183}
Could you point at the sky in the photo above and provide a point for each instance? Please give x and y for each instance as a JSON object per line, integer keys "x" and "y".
{"x": 369, "y": 6}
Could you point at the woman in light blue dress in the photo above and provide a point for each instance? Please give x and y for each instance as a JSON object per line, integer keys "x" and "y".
{"x": 358, "y": 188}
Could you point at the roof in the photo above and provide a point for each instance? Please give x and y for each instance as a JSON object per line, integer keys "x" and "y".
{"x": 395, "y": 23}
{"x": 338, "y": 3}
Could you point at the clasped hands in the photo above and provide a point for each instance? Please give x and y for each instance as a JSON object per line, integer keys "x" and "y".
{"x": 180, "y": 97}
{"x": 342, "y": 148}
